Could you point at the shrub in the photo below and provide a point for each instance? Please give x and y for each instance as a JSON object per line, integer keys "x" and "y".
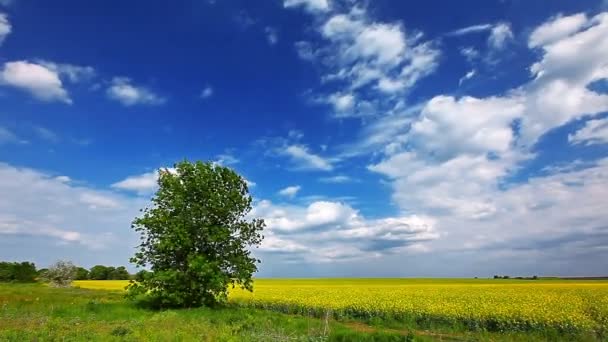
{"x": 61, "y": 273}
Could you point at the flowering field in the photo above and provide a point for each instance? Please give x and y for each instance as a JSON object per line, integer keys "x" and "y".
{"x": 569, "y": 306}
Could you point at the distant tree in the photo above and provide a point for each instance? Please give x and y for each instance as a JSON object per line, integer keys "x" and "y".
{"x": 505, "y": 277}
{"x": 98, "y": 272}
{"x": 81, "y": 274}
{"x": 535, "y": 277}
{"x": 61, "y": 273}
{"x": 196, "y": 237}
{"x": 497, "y": 277}
{"x": 110, "y": 270}
{"x": 119, "y": 273}
{"x": 20, "y": 272}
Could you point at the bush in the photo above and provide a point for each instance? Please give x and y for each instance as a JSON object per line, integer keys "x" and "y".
{"x": 61, "y": 273}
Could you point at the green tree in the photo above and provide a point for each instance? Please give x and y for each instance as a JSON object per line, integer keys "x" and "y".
{"x": 20, "y": 272}
{"x": 119, "y": 273}
{"x": 81, "y": 274}
{"x": 195, "y": 237}
{"x": 141, "y": 275}
{"x": 98, "y": 272}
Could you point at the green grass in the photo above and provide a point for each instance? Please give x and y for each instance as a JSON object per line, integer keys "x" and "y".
{"x": 33, "y": 312}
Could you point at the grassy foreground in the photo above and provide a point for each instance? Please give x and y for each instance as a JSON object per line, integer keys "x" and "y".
{"x": 35, "y": 312}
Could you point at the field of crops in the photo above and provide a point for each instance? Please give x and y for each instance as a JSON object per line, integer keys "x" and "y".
{"x": 491, "y": 305}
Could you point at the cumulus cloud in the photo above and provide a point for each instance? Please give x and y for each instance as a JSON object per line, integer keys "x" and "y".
{"x": 326, "y": 231}
{"x": 560, "y": 93}
{"x": 41, "y": 206}
{"x": 290, "y": 191}
{"x": 359, "y": 53}
{"x": 557, "y": 28}
{"x": 122, "y": 90}
{"x": 143, "y": 183}
{"x": 594, "y": 132}
{"x": 40, "y": 81}
{"x": 455, "y": 155}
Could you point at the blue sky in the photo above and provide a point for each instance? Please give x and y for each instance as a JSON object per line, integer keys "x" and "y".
{"x": 379, "y": 138}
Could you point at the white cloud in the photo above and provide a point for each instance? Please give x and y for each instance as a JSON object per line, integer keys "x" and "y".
{"x": 594, "y": 132}
{"x": 39, "y": 205}
{"x": 556, "y": 29}
{"x": 98, "y": 201}
{"x": 5, "y": 27}
{"x": 467, "y": 76}
{"x": 448, "y": 127}
{"x": 123, "y": 91}
{"x": 143, "y": 183}
{"x": 305, "y": 50}
{"x": 304, "y": 159}
{"x": 342, "y": 102}
{"x": 454, "y": 157}
{"x": 272, "y": 35}
{"x": 313, "y": 6}
{"x": 326, "y": 231}
{"x": 559, "y": 93}
{"x": 290, "y": 191}
{"x": 74, "y": 73}
{"x": 63, "y": 179}
{"x": 471, "y": 29}
{"x": 207, "y": 92}
{"x": 358, "y": 53}
{"x": 41, "y": 82}
{"x": 337, "y": 179}
{"x": 226, "y": 159}
{"x": 500, "y": 35}
{"x": 470, "y": 53}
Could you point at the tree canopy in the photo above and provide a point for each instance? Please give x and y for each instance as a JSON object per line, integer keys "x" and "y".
{"x": 196, "y": 237}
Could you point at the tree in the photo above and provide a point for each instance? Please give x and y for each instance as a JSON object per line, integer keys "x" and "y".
{"x": 141, "y": 275}
{"x": 98, "y": 272}
{"x": 119, "y": 273}
{"x": 19, "y": 272}
{"x": 195, "y": 237}
{"x": 81, "y": 274}
{"x": 61, "y": 273}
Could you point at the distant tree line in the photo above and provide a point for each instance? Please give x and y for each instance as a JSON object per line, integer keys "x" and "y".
{"x": 508, "y": 277}
{"x": 18, "y": 272}
{"x": 26, "y": 272}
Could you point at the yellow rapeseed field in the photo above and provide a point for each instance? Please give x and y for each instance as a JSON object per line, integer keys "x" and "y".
{"x": 498, "y": 305}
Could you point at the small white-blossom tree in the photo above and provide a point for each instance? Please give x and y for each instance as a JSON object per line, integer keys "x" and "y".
{"x": 61, "y": 273}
